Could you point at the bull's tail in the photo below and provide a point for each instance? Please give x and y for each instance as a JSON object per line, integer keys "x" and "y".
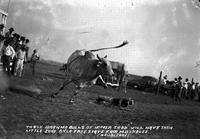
{"x": 121, "y": 45}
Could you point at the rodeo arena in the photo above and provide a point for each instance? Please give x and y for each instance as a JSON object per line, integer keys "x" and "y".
{"x": 89, "y": 96}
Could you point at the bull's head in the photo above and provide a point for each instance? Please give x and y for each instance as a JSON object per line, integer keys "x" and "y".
{"x": 104, "y": 66}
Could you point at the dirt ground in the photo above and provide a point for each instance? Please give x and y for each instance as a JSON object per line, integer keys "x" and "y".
{"x": 26, "y": 102}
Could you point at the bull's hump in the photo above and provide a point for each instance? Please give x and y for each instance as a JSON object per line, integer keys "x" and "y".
{"x": 80, "y": 54}
{"x": 75, "y": 55}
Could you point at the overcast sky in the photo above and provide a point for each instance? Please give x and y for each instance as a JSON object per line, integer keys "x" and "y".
{"x": 162, "y": 34}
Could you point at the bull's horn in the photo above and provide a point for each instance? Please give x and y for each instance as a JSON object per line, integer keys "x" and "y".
{"x": 98, "y": 57}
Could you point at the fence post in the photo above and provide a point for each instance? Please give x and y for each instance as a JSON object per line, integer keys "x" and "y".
{"x": 158, "y": 87}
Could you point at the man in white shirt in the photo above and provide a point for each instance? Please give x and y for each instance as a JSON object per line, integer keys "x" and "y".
{"x": 20, "y": 57}
{"x": 8, "y": 55}
{"x": 165, "y": 79}
{"x": 185, "y": 88}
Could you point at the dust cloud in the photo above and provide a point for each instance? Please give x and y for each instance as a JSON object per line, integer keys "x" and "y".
{"x": 4, "y": 82}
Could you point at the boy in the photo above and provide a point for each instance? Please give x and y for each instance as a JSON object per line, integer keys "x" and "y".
{"x": 34, "y": 58}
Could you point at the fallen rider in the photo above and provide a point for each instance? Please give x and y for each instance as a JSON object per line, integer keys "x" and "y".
{"x": 111, "y": 101}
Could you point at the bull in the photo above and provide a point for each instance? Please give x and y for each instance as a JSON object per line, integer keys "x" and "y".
{"x": 83, "y": 69}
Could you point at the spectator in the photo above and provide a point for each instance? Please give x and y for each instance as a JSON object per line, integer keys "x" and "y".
{"x": 22, "y": 39}
{"x": 196, "y": 90}
{"x": 26, "y": 48}
{"x": 1, "y": 29}
{"x": 174, "y": 86}
{"x": 178, "y": 89}
{"x": 34, "y": 58}
{"x": 15, "y": 41}
{"x": 165, "y": 79}
{"x": 189, "y": 90}
{"x": 199, "y": 93}
{"x": 8, "y": 34}
{"x": 185, "y": 88}
{"x": 192, "y": 91}
{"x": 1, "y": 35}
{"x": 8, "y": 55}
{"x": 20, "y": 57}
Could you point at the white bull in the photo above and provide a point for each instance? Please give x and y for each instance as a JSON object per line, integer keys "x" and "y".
{"x": 83, "y": 69}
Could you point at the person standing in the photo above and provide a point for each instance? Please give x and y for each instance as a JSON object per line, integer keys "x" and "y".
{"x": 34, "y": 58}
{"x": 26, "y": 49}
{"x": 185, "y": 89}
{"x": 1, "y": 31}
{"x": 8, "y": 34}
{"x": 22, "y": 40}
{"x": 192, "y": 91}
{"x": 178, "y": 89}
{"x": 8, "y": 55}
{"x": 1, "y": 37}
{"x": 199, "y": 93}
{"x": 165, "y": 79}
{"x": 196, "y": 90}
{"x": 16, "y": 41}
{"x": 20, "y": 57}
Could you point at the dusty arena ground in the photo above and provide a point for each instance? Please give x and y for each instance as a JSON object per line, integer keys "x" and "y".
{"x": 26, "y": 102}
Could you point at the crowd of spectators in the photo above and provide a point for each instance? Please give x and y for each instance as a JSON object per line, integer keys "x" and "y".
{"x": 15, "y": 52}
{"x": 180, "y": 89}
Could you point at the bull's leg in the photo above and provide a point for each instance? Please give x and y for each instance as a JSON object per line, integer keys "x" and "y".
{"x": 119, "y": 83}
{"x": 125, "y": 89}
{"x": 72, "y": 98}
{"x": 120, "y": 86}
{"x": 66, "y": 82}
{"x": 78, "y": 88}
{"x": 125, "y": 86}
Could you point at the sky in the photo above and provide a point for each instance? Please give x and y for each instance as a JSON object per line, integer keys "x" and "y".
{"x": 163, "y": 35}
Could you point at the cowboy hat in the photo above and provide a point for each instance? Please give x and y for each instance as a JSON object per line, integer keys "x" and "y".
{"x": 11, "y": 29}
{"x": 180, "y": 78}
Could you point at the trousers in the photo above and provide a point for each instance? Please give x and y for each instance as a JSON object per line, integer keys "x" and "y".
{"x": 19, "y": 67}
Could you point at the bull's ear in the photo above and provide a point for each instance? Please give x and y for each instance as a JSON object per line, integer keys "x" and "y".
{"x": 98, "y": 57}
{"x": 105, "y": 56}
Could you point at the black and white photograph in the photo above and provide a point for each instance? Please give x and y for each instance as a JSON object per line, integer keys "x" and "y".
{"x": 99, "y": 69}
